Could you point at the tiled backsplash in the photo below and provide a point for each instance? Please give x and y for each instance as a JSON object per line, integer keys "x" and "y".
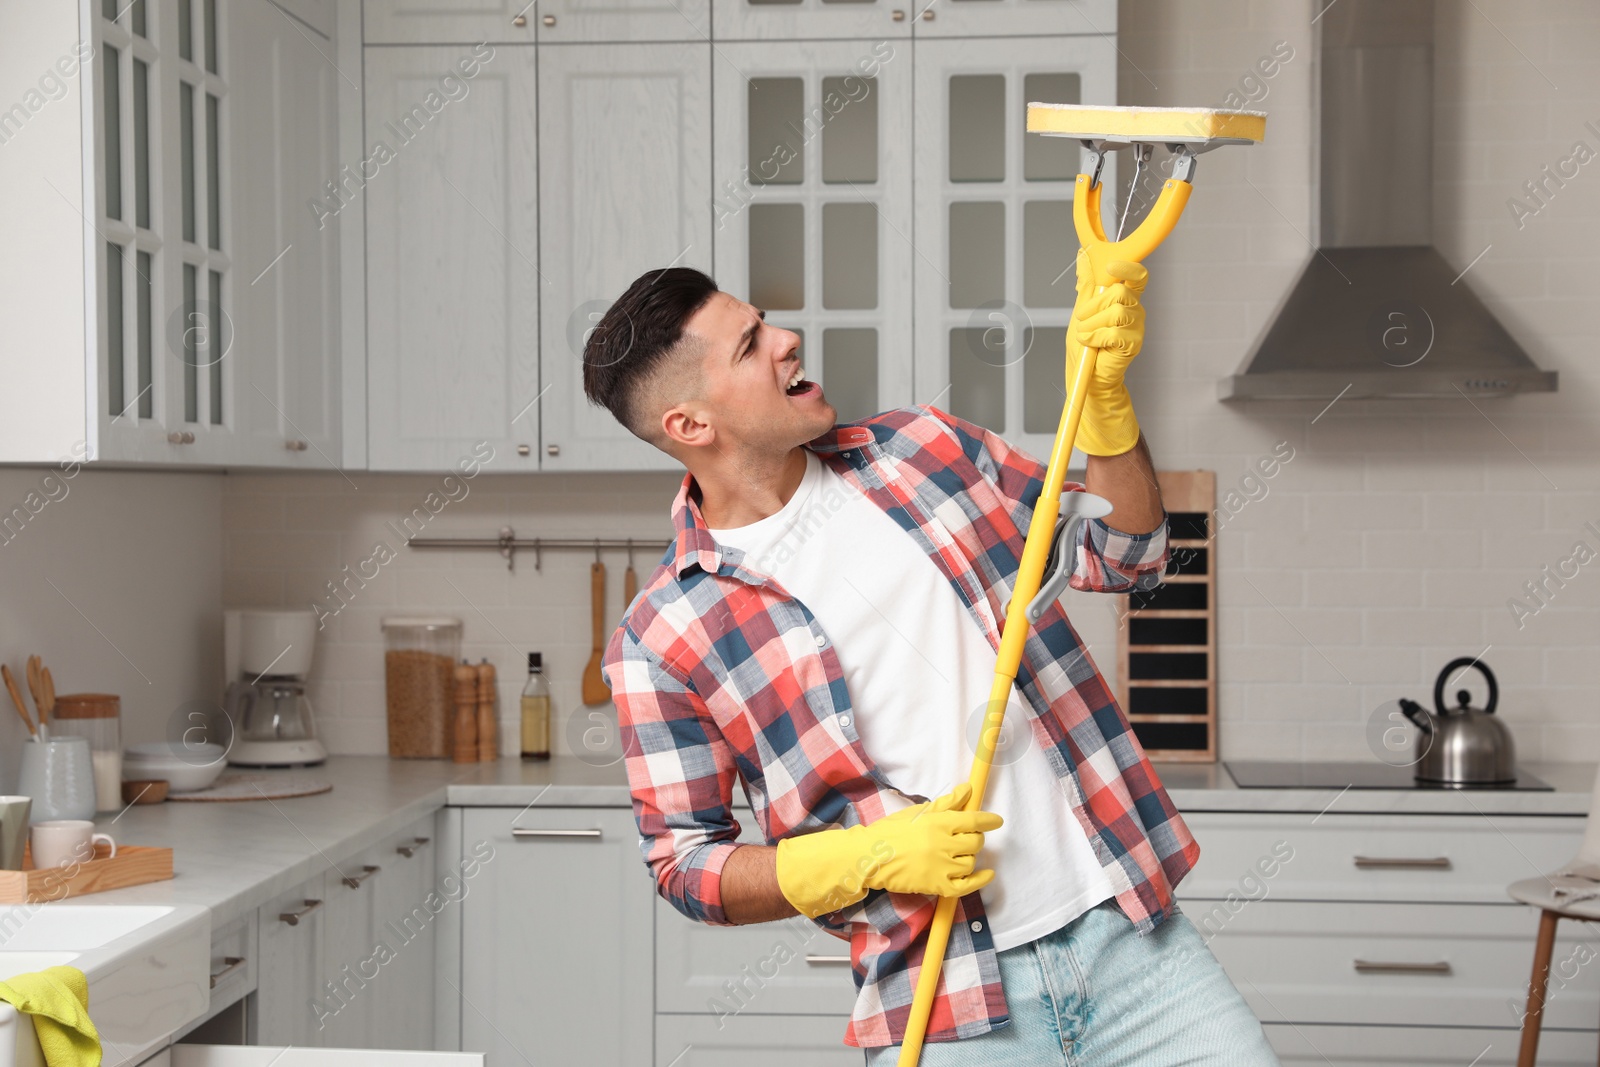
{"x": 314, "y": 540}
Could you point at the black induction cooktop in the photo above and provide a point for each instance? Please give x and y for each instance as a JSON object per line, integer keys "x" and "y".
{"x": 1361, "y": 774}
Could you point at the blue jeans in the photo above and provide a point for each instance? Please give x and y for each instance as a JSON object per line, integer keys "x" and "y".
{"x": 1096, "y": 994}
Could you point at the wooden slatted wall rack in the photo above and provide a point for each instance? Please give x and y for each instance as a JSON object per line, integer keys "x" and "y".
{"x": 1167, "y": 637}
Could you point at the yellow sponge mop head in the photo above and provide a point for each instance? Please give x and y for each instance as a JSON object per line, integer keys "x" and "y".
{"x": 1198, "y": 128}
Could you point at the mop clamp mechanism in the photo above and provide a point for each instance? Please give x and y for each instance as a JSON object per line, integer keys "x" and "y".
{"x": 1076, "y": 508}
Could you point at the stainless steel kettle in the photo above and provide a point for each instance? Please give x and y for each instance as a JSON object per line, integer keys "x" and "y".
{"x": 1463, "y": 745}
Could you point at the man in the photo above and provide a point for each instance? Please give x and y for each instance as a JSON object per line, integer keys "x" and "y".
{"x": 824, "y": 630}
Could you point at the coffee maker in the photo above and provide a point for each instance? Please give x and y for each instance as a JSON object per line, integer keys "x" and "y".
{"x": 266, "y": 657}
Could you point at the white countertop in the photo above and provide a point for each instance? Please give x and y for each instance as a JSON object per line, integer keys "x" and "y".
{"x": 233, "y": 857}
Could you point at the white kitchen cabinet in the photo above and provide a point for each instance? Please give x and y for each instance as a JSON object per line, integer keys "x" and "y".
{"x": 575, "y": 21}
{"x": 355, "y": 978}
{"x": 430, "y": 22}
{"x": 347, "y": 960}
{"x": 404, "y": 1015}
{"x": 557, "y": 939}
{"x": 791, "y": 20}
{"x": 289, "y": 1056}
{"x": 740, "y": 1040}
{"x": 133, "y": 251}
{"x": 996, "y": 246}
{"x": 285, "y": 318}
{"x": 624, "y": 171}
{"x": 1290, "y": 902}
{"x": 813, "y": 206}
{"x": 1030, "y": 18}
{"x": 1422, "y": 1046}
{"x": 789, "y": 967}
{"x": 453, "y": 276}
{"x": 292, "y": 966}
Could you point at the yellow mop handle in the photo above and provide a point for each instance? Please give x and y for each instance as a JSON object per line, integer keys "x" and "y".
{"x": 1100, "y": 252}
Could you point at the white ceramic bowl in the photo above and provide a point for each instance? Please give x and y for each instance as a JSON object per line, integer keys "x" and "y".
{"x": 195, "y": 769}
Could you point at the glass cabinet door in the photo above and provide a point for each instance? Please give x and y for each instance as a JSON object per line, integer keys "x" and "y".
{"x": 812, "y": 206}
{"x": 994, "y": 272}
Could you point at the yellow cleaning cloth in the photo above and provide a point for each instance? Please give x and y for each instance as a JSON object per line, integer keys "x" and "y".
{"x": 58, "y": 1000}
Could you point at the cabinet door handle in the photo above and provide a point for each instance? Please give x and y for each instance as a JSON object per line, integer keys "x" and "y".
{"x": 296, "y": 444}
{"x": 354, "y": 880}
{"x": 233, "y": 963}
{"x": 1382, "y": 967}
{"x": 827, "y": 959}
{"x": 180, "y": 437}
{"x": 532, "y": 831}
{"x": 520, "y": 20}
{"x": 411, "y": 850}
{"x": 1403, "y": 863}
{"x": 293, "y": 917}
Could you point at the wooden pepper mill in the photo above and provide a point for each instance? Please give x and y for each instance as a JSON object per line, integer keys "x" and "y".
{"x": 466, "y": 724}
{"x": 488, "y": 742}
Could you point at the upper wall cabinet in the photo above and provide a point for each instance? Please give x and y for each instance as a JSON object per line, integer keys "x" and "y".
{"x": 139, "y": 282}
{"x": 453, "y": 280}
{"x": 813, "y": 206}
{"x": 1000, "y": 18}
{"x": 624, "y": 170}
{"x": 432, "y": 22}
{"x": 787, "y": 20}
{"x": 995, "y": 282}
{"x": 285, "y": 320}
{"x": 624, "y": 20}
{"x": 522, "y": 22}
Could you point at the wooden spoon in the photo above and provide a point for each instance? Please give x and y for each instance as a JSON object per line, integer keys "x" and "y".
{"x": 49, "y": 708}
{"x": 36, "y": 685}
{"x": 595, "y": 690}
{"x": 16, "y": 699}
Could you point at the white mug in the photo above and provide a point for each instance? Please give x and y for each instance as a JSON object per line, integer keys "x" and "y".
{"x": 63, "y": 842}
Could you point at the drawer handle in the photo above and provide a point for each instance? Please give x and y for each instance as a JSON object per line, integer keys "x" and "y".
{"x": 534, "y": 831}
{"x": 1402, "y": 863}
{"x": 354, "y": 880}
{"x": 827, "y": 959}
{"x": 1380, "y": 967}
{"x": 411, "y": 850}
{"x": 293, "y": 917}
{"x": 233, "y": 963}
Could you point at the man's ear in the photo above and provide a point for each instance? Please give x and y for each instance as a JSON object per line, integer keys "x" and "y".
{"x": 685, "y": 425}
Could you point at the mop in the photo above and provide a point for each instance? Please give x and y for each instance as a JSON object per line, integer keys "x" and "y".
{"x": 1185, "y": 132}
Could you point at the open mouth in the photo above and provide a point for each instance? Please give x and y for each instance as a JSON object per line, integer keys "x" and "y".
{"x": 799, "y": 385}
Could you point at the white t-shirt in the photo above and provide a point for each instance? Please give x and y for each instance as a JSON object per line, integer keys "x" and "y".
{"x": 918, "y": 669}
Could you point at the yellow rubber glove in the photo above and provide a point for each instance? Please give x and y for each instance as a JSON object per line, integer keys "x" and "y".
{"x": 928, "y": 848}
{"x": 1113, "y": 322}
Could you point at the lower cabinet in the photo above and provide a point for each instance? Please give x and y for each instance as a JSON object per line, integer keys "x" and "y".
{"x": 556, "y": 938}
{"x": 768, "y": 1040}
{"x": 1421, "y": 1046}
{"x": 347, "y": 960}
{"x": 1387, "y": 939}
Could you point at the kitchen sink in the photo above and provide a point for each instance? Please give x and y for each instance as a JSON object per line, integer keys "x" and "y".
{"x": 148, "y": 968}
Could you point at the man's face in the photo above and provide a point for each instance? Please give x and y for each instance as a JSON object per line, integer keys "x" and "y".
{"x": 747, "y": 368}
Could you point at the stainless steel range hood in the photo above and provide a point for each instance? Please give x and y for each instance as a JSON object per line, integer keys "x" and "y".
{"x": 1377, "y": 311}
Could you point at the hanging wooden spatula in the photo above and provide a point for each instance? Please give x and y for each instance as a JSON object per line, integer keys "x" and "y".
{"x": 595, "y": 690}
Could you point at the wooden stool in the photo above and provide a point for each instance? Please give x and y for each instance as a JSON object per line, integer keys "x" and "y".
{"x": 1553, "y": 906}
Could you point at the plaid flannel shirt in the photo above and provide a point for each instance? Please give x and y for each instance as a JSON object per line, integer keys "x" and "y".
{"x": 719, "y": 674}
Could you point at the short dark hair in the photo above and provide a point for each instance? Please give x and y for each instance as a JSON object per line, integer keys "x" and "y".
{"x": 629, "y": 343}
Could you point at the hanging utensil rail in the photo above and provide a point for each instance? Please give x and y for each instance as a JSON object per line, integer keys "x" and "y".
{"x": 508, "y": 542}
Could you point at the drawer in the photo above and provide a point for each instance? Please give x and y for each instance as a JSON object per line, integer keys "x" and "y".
{"x": 787, "y": 967}
{"x": 768, "y": 1040}
{"x": 1421, "y": 1046}
{"x": 1365, "y": 857}
{"x": 233, "y": 962}
{"x": 1428, "y": 964}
